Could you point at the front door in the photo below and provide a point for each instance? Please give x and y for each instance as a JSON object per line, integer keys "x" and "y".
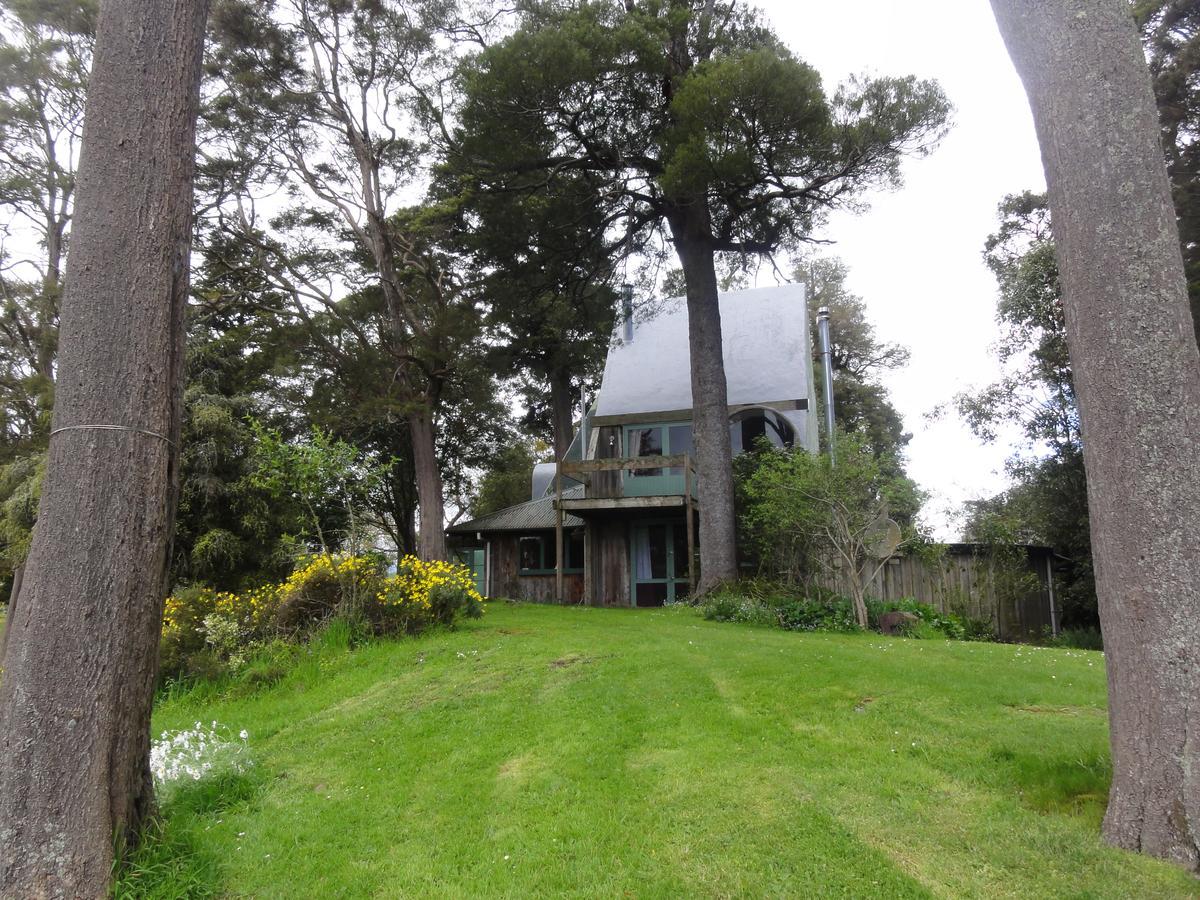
{"x": 660, "y": 563}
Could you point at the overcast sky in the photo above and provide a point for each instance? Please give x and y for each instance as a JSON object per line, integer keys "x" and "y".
{"x": 915, "y": 255}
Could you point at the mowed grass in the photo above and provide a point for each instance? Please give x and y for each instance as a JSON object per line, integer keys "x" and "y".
{"x": 550, "y": 751}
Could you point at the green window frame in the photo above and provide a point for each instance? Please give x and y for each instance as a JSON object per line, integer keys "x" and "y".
{"x": 671, "y": 438}
{"x": 545, "y": 555}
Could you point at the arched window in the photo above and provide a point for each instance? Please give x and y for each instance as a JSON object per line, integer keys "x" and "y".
{"x": 747, "y": 427}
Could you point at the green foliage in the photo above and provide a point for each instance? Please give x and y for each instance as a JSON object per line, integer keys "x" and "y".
{"x": 805, "y": 521}
{"x": 1171, "y": 36}
{"x": 1077, "y": 638}
{"x": 506, "y": 481}
{"x": 326, "y": 476}
{"x": 1047, "y": 503}
{"x": 934, "y": 623}
{"x": 763, "y": 602}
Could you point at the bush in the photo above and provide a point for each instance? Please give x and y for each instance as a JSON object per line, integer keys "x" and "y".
{"x": 207, "y": 633}
{"x": 762, "y": 602}
{"x": 829, "y": 613}
{"x": 730, "y": 606}
{"x": 946, "y": 624}
{"x": 1077, "y": 639}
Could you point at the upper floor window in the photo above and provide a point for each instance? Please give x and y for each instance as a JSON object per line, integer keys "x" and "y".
{"x": 749, "y": 426}
{"x": 658, "y": 440}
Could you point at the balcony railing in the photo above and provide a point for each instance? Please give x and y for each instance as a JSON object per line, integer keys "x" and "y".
{"x": 636, "y": 476}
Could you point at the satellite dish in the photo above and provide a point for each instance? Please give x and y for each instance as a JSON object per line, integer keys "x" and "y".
{"x": 883, "y": 537}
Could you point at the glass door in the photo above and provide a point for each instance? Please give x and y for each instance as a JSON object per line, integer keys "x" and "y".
{"x": 660, "y": 564}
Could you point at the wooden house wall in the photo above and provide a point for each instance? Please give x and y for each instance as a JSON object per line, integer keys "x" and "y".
{"x": 505, "y": 579}
{"x": 608, "y": 446}
{"x": 606, "y": 555}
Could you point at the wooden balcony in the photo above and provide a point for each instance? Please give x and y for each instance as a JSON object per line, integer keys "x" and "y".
{"x": 627, "y": 483}
{"x": 639, "y": 482}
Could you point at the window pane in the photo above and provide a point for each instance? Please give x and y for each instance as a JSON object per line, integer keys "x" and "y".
{"x": 531, "y": 552}
{"x": 575, "y": 550}
{"x": 550, "y": 552}
{"x": 657, "y": 538}
{"x": 646, "y": 442}
{"x": 679, "y": 540}
{"x": 680, "y": 439}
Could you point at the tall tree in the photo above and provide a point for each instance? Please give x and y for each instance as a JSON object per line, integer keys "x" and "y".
{"x": 1137, "y": 376}
{"x": 45, "y": 55}
{"x": 1048, "y": 500}
{"x": 80, "y": 663}
{"x": 334, "y": 121}
{"x": 549, "y": 310}
{"x": 688, "y": 118}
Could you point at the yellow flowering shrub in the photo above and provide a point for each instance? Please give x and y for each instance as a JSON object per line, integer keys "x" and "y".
{"x": 326, "y": 585}
{"x": 423, "y": 593}
{"x": 203, "y": 628}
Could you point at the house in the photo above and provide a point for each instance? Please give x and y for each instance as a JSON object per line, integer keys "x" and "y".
{"x": 614, "y": 524}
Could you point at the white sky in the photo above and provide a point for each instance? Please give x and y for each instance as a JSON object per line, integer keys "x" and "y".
{"x": 916, "y": 255}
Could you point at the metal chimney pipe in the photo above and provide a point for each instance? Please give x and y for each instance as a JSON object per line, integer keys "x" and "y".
{"x": 827, "y": 367}
{"x": 583, "y": 429}
{"x": 627, "y": 310}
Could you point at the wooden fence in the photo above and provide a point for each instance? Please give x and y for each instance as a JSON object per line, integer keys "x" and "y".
{"x": 1013, "y": 589}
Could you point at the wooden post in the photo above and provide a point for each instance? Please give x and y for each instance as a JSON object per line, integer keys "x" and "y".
{"x": 558, "y": 531}
{"x": 691, "y": 534}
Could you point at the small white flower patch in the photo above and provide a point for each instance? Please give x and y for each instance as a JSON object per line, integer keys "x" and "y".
{"x": 182, "y": 756}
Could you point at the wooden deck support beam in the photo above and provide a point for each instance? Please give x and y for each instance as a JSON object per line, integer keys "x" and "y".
{"x": 691, "y": 534}
{"x": 558, "y": 532}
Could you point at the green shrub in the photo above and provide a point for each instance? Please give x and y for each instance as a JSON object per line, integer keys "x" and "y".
{"x": 731, "y": 606}
{"x": 947, "y": 624}
{"x": 1078, "y": 639}
{"x": 829, "y": 613}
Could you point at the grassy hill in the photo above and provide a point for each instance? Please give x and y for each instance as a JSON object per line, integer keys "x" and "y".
{"x": 553, "y": 751}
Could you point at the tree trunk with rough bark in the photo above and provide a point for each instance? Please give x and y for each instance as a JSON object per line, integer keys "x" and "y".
{"x": 561, "y": 412}
{"x": 429, "y": 486}
{"x": 1137, "y": 375}
{"x": 690, "y": 230}
{"x": 76, "y": 694}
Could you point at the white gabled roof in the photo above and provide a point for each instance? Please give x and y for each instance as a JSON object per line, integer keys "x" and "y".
{"x": 768, "y": 356}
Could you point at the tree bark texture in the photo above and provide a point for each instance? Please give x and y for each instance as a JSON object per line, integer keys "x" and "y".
{"x": 429, "y": 486}
{"x": 76, "y": 695}
{"x": 1137, "y": 374}
{"x": 561, "y": 412}
{"x": 690, "y": 229}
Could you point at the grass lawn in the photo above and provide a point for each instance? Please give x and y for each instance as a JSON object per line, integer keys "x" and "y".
{"x": 550, "y": 751}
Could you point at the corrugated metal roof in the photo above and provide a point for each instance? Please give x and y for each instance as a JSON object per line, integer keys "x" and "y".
{"x": 533, "y": 515}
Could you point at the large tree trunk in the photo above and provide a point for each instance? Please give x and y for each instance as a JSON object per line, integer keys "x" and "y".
{"x": 710, "y": 409}
{"x": 561, "y": 412}
{"x": 76, "y": 695}
{"x": 429, "y": 486}
{"x": 1137, "y": 374}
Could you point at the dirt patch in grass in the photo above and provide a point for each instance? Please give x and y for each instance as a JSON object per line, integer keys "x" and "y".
{"x": 571, "y": 659}
{"x": 1060, "y": 710}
